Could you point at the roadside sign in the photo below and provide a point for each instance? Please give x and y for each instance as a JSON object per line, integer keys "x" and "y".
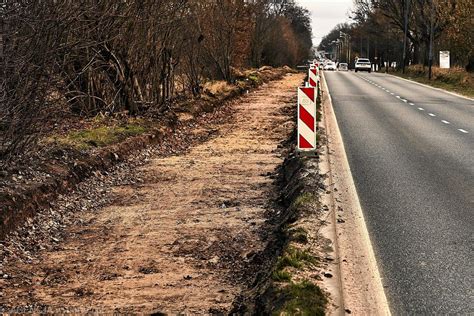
{"x": 307, "y": 123}
{"x": 444, "y": 61}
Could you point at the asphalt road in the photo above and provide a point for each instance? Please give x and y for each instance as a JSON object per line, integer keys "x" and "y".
{"x": 411, "y": 152}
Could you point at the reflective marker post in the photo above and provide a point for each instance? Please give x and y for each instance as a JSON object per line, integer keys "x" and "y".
{"x": 307, "y": 123}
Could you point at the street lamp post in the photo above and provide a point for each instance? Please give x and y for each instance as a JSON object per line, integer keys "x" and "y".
{"x": 347, "y": 50}
{"x": 338, "y": 45}
{"x": 335, "y": 48}
{"x": 407, "y": 8}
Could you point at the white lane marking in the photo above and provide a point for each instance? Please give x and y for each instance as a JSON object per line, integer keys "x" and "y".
{"x": 430, "y": 87}
{"x": 445, "y": 122}
{"x": 463, "y": 131}
{"x": 431, "y": 114}
{"x": 421, "y": 109}
{"x": 411, "y": 103}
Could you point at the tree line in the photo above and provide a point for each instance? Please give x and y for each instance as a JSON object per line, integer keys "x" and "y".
{"x": 379, "y": 27}
{"x": 131, "y": 56}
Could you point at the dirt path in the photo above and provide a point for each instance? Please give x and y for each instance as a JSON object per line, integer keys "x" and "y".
{"x": 178, "y": 240}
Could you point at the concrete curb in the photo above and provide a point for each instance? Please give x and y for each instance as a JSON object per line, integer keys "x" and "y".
{"x": 361, "y": 283}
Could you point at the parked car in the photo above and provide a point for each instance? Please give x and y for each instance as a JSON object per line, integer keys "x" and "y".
{"x": 363, "y": 64}
{"x": 330, "y": 66}
{"x": 343, "y": 67}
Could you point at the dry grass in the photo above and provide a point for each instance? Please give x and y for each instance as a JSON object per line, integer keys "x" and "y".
{"x": 455, "y": 79}
{"x": 218, "y": 87}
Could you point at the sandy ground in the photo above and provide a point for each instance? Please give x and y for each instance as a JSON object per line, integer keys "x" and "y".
{"x": 177, "y": 240}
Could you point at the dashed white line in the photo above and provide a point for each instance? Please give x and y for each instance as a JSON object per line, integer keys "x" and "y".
{"x": 411, "y": 103}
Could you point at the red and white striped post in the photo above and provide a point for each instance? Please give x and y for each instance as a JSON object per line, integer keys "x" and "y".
{"x": 307, "y": 123}
{"x": 313, "y": 76}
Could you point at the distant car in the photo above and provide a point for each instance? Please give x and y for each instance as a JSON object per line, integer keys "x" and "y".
{"x": 330, "y": 66}
{"x": 363, "y": 64}
{"x": 343, "y": 67}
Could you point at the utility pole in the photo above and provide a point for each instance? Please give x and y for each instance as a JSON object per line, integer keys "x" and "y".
{"x": 368, "y": 47}
{"x": 407, "y": 8}
{"x": 346, "y": 50}
{"x": 349, "y": 48}
{"x": 339, "y": 50}
{"x": 430, "y": 57}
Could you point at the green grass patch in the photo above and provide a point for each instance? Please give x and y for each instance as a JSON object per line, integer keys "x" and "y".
{"x": 281, "y": 276}
{"x": 299, "y": 235}
{"x": 294, "y": 257}
{"x": 255, "y": 79}
{"x": 304, "y": 298}
{"x": 303, "y": 200}
{"x": 101, "y": 136}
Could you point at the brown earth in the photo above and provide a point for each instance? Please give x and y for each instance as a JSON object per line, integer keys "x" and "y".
{"x": 59, "y": 162}
{"x": 178, "y": 236}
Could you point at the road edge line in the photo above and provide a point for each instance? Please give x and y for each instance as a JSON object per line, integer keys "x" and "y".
{"x": 361, "y": 293}
{"x": 434, "y": 88}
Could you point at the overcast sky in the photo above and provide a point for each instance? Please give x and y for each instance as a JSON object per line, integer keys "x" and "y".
{"x": 326, "y": 15}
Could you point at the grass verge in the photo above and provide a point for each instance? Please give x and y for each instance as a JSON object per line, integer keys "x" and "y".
{"x": 295, "y": 292}
{"x": 100, "y": 136}
{"x": 302, "y": 201}
{"x": 299, "y": 235}
{"x": 304, "y": 298}
{"x": 455, "y": 80}
{"x": 296, "y": 258}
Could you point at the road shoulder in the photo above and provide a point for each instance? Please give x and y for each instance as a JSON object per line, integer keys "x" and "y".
{"x": 360, "y": 280}
{"x": 433, "y": 88}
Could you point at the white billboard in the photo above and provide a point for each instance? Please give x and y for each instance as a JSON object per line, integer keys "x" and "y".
{"x": 444, "y": 59}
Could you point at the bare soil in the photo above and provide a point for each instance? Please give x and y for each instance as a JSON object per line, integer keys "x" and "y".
{"x": 176, "y": 236}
